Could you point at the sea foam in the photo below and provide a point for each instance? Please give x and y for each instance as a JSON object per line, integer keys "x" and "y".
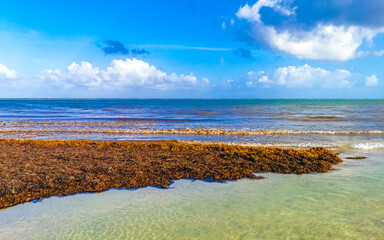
{"x": 368, "y": 145}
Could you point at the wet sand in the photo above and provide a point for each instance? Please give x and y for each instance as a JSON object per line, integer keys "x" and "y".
{"x": 36, "y": 169}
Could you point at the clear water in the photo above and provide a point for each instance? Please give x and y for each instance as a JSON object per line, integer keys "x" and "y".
{"x": 344, "y": 204}
{"x": 347, "y": 203}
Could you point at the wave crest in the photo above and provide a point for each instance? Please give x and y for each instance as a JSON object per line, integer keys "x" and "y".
{"x": 368, "y": 145}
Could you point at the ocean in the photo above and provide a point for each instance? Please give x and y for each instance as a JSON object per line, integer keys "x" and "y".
{"x": 326, "y": 115}
{"x": 347, "y": 203}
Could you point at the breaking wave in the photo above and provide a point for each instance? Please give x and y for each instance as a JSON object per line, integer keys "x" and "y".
{"x": 188, "y": 131}
{"x": 368, "y": 145}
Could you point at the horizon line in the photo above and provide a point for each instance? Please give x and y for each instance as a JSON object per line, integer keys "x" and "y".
{"x": 101, "y": 98}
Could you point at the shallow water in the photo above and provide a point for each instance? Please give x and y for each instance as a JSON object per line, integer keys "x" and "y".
{"x": 347, "y": 203}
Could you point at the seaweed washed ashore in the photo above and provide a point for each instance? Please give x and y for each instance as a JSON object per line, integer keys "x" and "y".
{"x": 35, "y": 169}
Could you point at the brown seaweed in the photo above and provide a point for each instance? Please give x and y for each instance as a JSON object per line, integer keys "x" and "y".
{"x": 357, "y": 157}
{"x": 35, "y": 169}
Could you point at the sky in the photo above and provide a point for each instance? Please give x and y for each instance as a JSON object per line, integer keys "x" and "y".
{"x": 192, "y": 49}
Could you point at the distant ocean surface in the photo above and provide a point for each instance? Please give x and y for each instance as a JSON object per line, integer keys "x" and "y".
{"x": 348, "y": 115}
{"x": 347, "y": 203}
{"x": 356, "y": 123}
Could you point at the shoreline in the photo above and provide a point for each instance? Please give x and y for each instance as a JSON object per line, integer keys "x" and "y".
{"x": 37, "y": 169}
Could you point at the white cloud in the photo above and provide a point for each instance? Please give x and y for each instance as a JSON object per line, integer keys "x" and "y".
{"x": 129, "y": 73}
{"x": 378, "y": 53}
{"x": 264, "y": 80}
{"x": 371, "y": 80}
{"x": 301, "y": 77}
{"x": 232, "y": 22}
{"x": 323, "y": 42}
{"x": 230, "y": 83}
{"x": 252, "y": 14}
{"x": 224, "y": 26}
{"x": 6, "y": 73}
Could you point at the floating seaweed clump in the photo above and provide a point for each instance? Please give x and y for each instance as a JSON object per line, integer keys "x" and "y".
{"x": 35, "y": 169}
{"x": 357, "y": 157}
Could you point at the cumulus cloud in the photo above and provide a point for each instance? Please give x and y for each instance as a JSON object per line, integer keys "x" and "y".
{"x": 116, "y": 47}
{"x": 6, "y": 73}
{"x": 252, "y": 14}
{"x": 321, "y": 43}
{"x": 295, "y": 27}
{"x": 300, "y": 77}
{"x": 129, "y": 73}
{"x": 371, "y": 81}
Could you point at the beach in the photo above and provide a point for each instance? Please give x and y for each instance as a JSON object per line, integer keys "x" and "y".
{"x": 247, "y": 170}
{"x": 195, "y": 120}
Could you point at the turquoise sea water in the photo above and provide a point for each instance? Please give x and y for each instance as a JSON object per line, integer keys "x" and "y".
{"x": 347, "y": 203}
{"x": 351, "y": 115}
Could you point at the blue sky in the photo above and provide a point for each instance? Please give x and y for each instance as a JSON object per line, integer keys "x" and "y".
{"x": 192, "y": 48}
